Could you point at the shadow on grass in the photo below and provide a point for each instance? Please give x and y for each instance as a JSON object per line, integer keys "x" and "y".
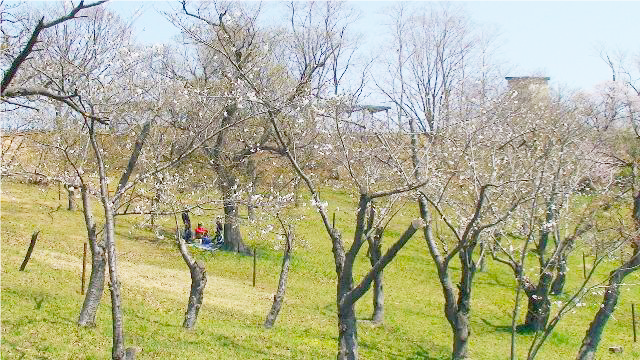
{"x": 520, "y": 329}
{"x": 493, "y": 280}
{"x": 434, "y": 353}
{"x": 160, "y": 323}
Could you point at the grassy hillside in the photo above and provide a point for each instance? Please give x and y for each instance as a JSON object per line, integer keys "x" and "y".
{"x": 40, "y": 305}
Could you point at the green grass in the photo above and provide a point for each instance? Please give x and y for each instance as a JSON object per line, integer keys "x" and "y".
{"x": 40, "y": 305}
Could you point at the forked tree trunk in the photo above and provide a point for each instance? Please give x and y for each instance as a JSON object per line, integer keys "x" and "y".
{"x": 95, "y": 288}
{"x": 278, "y": 298}
{"x": 611, "y": 294}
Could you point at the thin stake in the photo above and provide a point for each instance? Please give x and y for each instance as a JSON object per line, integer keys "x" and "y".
{"x": 633, "y": 317}
{"x": 584, "y": 266}
{"x": 84, "y": 267}
{"x": 59, "y": 190}
{"x": 334, "y": 221}
{"x": 32, "y": 244}
{"x": 254, "y": 266}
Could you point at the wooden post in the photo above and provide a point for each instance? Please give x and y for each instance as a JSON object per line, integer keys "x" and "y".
{"x": 254, "y": 266}
{"x": 633, "y": 320}
{"x": 59, "y": 190}
{"x": 584, "y": 266}
{"x": 32, "y": 244}
{"x": 334, "y": 221}
{"x": 84, "y": 267}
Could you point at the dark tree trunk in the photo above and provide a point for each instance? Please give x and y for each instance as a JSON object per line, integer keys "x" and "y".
{"x": 557, "y": 287}
{"x": 93, "y": 295}
{"x": 375, "y": 252}
{"x": 278, "y": 298}
{"x": 539, "y": 305}
{"x": 378, "y": 299}
{"x": 462, "y": 330}
{"x": 612, "y": 292}
{"x": 461, "y": 325}
{"x": 347, "y": 333}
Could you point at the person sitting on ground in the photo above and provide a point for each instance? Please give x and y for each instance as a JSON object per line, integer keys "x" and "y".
{"x": 201, "y": 232}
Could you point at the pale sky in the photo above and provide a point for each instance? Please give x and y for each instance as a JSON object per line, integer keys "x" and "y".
{"x": 556, "y": 39}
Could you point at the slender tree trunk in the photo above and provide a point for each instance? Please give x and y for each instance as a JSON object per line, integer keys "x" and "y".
{"x": 375, "y": 252}
{"x": 612, "y": 293}
{"x": 539, "y": 306}
{"x": 95, "y": 288}
{"x": 118, "y": 350}
{"x": 378, "y": 299}
{"x": 278, "y": 298}
{"x": 347, "y": 333}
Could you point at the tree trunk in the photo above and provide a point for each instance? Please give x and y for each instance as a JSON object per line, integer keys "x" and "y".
{"x": 612, "y": 292}
{"x": 378, "y": 299}
{"x": 539, "y": 306}
{"x": 561, "y": 276}
{"x": 375, "y": 252}
{"x": 118, "y": 350}
{"x": 198, "y": 278}
{"x": 461, "y": 325}
{"x": 461, "y": 332}
{"x": 95, "y": 288}
{"x": 71, "y": 192}
{"x": 232, "y": 235}
{"x": 198, "y": 283}
{"x": 282, "y": 283}
{"x": 93, "y": 295}
{"x": 347, "y": 333}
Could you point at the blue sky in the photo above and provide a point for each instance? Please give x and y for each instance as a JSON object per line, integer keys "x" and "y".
{"x": 556, "y": 39}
